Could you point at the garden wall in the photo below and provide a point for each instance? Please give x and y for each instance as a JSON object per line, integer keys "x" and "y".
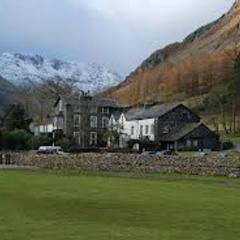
{"x": 116, "y": 162}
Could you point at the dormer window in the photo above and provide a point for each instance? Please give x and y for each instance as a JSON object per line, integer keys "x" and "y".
{"x": 105, "y": 110}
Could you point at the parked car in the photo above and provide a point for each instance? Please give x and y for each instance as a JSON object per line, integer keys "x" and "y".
{"x": 50, "y": 150}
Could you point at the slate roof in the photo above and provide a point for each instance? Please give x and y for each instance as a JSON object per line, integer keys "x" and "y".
{"x": 94, "y": 101}
{"x": 104, "y": 102}
{"x": 155, "y": 111}
{"x": 188, "y": 128}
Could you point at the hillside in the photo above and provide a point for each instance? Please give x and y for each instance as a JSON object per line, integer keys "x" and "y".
{"x": 7, "y": 91}
{"x": 184, "y": 70}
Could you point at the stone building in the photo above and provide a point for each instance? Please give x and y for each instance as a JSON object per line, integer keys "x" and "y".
{"x": 84, "y": 118}
{"x": 172, "y": 126}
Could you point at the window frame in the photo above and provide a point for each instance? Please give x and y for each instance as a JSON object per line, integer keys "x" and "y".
{"x": 77, "y": 137}
{"x": 146, "y": 129}
{"x": 132, "y": 130}
{"x": 79, "y": 120}
{"x": 93, "y": 123}
{"x": 103, "y": 122}
{"x": 189, "y": 143}
{"x": 107, "y": 110}
{"x": 93, "y": 140}
{"x": 141, "y": 130}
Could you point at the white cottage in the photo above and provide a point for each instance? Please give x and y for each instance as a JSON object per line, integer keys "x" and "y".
{"x": 131, "y": 125}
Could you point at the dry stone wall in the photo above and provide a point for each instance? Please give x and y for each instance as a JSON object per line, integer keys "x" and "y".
{"x": 113, "y": 162}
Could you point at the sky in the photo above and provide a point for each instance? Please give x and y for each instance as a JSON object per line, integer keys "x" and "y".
{"x": 118, "y": 34}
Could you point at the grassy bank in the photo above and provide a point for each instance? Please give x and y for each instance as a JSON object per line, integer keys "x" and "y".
{"x": 55, "y": 205}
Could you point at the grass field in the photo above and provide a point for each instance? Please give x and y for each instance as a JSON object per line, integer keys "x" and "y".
{"x": 71, "y": 206}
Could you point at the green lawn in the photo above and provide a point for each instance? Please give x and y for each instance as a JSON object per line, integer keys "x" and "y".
{"x": 61, "y": 206}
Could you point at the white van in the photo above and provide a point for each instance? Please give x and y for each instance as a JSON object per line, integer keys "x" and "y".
{"x": 50, "y": 150}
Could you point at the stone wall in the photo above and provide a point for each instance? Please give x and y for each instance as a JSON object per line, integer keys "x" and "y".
{"x": 113, "y": 162}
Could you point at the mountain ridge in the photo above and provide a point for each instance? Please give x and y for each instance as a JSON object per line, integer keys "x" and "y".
{"x": 165, "y": 67}
{"x": 21, "y": 69}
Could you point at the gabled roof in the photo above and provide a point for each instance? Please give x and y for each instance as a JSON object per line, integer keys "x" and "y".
{"x": 155, "y": 111}
{"x": 117, "y": 114}
{"x": 182, "y": 132}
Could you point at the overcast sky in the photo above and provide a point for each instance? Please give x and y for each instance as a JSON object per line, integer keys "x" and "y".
{"x": 116, "y": 33}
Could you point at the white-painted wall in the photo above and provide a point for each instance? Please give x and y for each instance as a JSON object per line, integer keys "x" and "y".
{"x": 136, "y": 125}
{"x": 43, "y": 129}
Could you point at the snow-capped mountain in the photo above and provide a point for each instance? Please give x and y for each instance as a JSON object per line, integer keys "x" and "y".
{"x": 21, "y": 69}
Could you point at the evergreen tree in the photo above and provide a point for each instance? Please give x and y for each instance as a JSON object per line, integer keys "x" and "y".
{"x": 15, "y": 118}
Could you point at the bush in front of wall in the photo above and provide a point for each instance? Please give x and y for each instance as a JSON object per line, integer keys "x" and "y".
{"x": 227, "y": 145}
{"x": 65, "y": 143}
{"x": 144, "y": 143}
{"x": 15, "y": 140}
{"x": 36, "y": 141}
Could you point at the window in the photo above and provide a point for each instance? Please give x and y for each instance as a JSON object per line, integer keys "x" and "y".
{"x": 165, "y": 130}
{"x": 141, "y": 130}
{"x": 189, "y": 143}
{"x": 132, "y": 130}
{"x": 105, "y": 110}
{"x": 93, "y": 138}
{"x": 195, "y": 143}
{"x": 186, "y": 115}
{"x": 105, "y": 122}
{"x": 152, "y": 129}
{"x": 93, "y": 121}
{"x": 77, "y": 137}
{"x": 146, "y": 129}
{"x": 76, "y": 120}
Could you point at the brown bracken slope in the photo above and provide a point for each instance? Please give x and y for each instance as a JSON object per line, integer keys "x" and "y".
{"x": 188, "y": 69}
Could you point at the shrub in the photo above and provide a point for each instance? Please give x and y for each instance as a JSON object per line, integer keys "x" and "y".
{"x": 148, "y": 145}
{"x": 65, "y": 143}
{"x": 144, "y": 144}
{"x": 132, "y": 142}
{"x": 15, "y": 140}
{"x": 227, "y": 145}
{"x": 36, "y": 141}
